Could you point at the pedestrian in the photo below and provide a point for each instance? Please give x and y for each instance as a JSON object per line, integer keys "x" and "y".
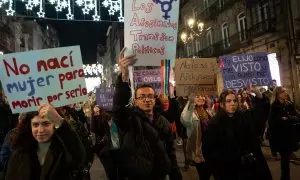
{"x": 45, "y": 147}
{"x": 6, "y": 149}
{"x": 148, "y": 151}
{"x": 230, "y": 147}
{"x": 107, "y": 145}
{"x": 181, "y": 131}
{"x": 282, "y": 121}
{"x": 195, "y": 117}
{"x": 70, "y": 116}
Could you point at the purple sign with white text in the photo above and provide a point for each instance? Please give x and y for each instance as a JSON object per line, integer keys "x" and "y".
{"x": 148, "y": 76}
{"x": 104, "y": 97}
{"x": 241, "y": 70}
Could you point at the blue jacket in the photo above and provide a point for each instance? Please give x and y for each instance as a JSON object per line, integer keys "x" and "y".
{"x": 5, "y": 152}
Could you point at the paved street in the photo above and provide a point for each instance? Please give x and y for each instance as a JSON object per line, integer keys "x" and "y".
{"x": 98, "y": 173}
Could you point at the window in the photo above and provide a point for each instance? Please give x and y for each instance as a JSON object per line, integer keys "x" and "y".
{"x": 222, "y": 3}
{"x": 198, "y": 45}
{"x": 209, "y": 39}
{"x": 195, "y": 12}
{"x": 242, "y": 26}
{"x": 225, "y": 35}
{"x": 189, "y": 50}
{"x": 205, "y": 4}
{"x": 265, "y": 9}
{"x": 186, "y": 19}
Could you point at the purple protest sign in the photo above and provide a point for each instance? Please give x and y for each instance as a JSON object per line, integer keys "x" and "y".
{"x": 104, "y": 97}
{"x": 149, "y": 76}
{"x": 240, "y": 70}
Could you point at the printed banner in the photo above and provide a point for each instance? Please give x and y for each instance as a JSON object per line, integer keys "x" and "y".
{"x": 45, "y": 76}
{"x": 149, "y": 76}
{"x": 104, "y": 97}
{"x": 150, "y": 30}
{"x": 195, "y": 71}
{"x": 240, "y": 70}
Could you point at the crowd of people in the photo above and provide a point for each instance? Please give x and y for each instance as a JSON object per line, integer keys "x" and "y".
{"x": 221, "y": 136}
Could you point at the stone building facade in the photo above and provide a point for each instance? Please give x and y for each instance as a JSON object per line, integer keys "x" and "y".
{"x": 246, "y": 26}
{"x": 17, "y": 34}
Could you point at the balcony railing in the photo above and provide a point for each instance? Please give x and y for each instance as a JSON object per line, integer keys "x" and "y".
{"x": 263, "y": 27}
{"x": 238, "y": 40}
{"x": 251, "y": 3}
{"x": 215, "y": 9}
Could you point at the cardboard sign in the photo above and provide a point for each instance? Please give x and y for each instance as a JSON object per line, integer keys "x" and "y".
{"x": 240, "y": 70}
{"x": 104, "y": 97}
{"x": 186, "y": 90}
{"x": 149, "y": 76}
{"x": 195, "y": 71}
{"x": 45, "y": 76}
{"x": 150, "y": 30}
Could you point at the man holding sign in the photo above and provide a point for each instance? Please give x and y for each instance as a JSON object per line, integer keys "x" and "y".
{"x": 148, "y": 150}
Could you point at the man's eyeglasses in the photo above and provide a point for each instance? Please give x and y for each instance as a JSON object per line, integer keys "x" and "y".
{"x": 144, "y": 97}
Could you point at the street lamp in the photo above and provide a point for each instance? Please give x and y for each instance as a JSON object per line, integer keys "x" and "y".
{"x": 192, "y": 31}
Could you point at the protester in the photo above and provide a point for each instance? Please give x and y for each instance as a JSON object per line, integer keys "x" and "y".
{"x": 45, "y": 147}
{"x": 195, "y": 117}
{"x": 281, "y": 123}
{"x": 107, "y": 143}
{"x": 6, "y": 149}
{"x": 230, "y": 147}
{"x": 181, "y": 131}
{"x": 147, "y": 148}
{"x": 70, "y": 116}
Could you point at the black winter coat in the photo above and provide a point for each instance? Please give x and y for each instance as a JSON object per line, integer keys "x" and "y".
{"x": 282, "y": 132}
{"x": 147, "y": 148}
{"x": 101, "y": 128}
{"x": 225, "y": 143}
{"x": 66, "y": 154}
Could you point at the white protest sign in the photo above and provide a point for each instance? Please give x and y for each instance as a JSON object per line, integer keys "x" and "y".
{"x": 51, "y": 76}
{"x": 150, "y": 30}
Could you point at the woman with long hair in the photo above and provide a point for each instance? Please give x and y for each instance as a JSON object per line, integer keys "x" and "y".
{"x": 44, "y": 147}
{"x": 281, "y": 123}
{"x": 245, "y": 100}
{"x": 230, "y": 147}
{"x": 195, "y": 117}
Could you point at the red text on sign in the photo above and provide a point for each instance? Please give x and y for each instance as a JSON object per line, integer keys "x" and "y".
{"x": 24, "y": 68}
{"x": 55, "y": 97}
{"x": 70, "y": 76}
{"x": 27, "y": 103}
{"x": 142, "y": 7}
{"x": 76, "y": 92}
{"x": 55, "y": 63}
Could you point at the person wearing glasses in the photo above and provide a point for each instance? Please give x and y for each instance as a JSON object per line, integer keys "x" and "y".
{"x": 230, "y": 147}
{"x": 147, "y": 147}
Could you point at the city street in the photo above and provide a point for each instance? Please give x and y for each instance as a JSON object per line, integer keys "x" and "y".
{"x": 97, "y": 172}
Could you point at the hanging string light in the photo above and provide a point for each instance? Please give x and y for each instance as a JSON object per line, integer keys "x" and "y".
{"x": 114, "y": 7}
{"x": 96, "y": 17}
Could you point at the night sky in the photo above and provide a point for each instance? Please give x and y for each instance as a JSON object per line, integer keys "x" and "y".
{"x": 84, "y": 31}
{"x": 86, "y": 34}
